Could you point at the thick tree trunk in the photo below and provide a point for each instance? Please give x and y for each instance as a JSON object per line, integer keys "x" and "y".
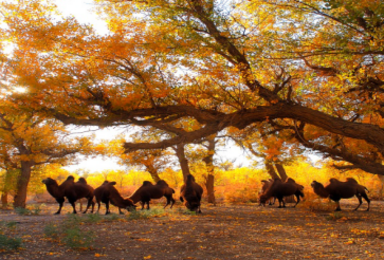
{"x": 280, "y": 169}
{"x": 22, "y": 184}
{"x": 4, "y": 198}
{"x": 153, "y": 172}
{"x": 180, "y": 153}
{"x": 210, "y": 178}
{"x": 271, "y": 170}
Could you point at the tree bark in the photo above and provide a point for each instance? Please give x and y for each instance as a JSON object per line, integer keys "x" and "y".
{"x": 22, "y": 184}
{"x": 210, "y": 178}
{"x": 271, "y": 170}
{"x": 4, "y": 198}
{"x": 153, "y": 172}
{"x": 180, "y": 153}
{"x": 280, "y": 169}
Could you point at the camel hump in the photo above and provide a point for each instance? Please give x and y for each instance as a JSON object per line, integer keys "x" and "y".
{"x": 190, "y": 177}
{"x": 112, "y": 183}
{"x": 291, "y": 180}
{"x": 82, "y": 180}
{"x": 265, "y": 181}
{"x": 352, "y": 180}
{"x": 147, "y": 183}
{"x": 70, "y": 178}
{"x": 162, "y": 182}
{"x": 334, "y": 180}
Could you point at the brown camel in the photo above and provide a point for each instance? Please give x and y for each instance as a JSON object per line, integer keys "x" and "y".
{"x": 337, "y": 190}
{"x": 107, "y": 193}
{"x": 281, "y": 189}
{"x": 148, "y": 191}
{"x": 190, "y": 194}
{"x": 71, "y": 190}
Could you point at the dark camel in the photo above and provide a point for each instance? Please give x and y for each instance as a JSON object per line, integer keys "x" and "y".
{"x": 337, "y": 190}
{"x": 71, "y": 190}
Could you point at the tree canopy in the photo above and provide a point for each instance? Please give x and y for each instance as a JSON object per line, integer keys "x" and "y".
{"x": 304, "y": 70}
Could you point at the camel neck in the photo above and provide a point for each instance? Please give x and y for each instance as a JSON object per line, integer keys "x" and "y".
{"x": 322, "y": 192}
{"x": 53, "y": 190}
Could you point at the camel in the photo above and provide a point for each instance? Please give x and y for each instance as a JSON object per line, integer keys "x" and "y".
{"x": 71, "y": 190}
{"x": 281, "y": 189}
{"x": 107, "y": 193}
{"x": 190, "y": 194}
{"x": 337, "y": 190}
{"x": 148, "y": 191}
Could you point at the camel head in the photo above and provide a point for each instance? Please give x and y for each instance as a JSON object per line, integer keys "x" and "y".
{"x": 316, "y": 184}
{"x": 192, "y": 206}
{"x": 263, "y": 199}
{"x": 130, "y": 206}
{"x": 49, "y": 181}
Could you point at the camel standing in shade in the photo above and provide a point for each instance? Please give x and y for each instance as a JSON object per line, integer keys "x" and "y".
{"x": 337, "y": 190}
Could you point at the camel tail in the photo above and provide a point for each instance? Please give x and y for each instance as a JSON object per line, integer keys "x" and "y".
{"x": 173, "y": 191}
{"x": 366, "y": 189}
{"x": 301, "y": 194}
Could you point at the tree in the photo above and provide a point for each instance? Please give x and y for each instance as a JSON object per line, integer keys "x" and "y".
{"x": 312, "y": 69}
{"x": 28, "y": 141}
{"x": 152, "y": 161}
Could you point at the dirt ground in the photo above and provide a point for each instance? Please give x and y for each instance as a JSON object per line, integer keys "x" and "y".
{"x": 221, "y": 232}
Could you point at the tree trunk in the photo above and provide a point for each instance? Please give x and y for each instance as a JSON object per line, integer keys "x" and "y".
{"x": 210, "y": 178}
{"x": 4, "y": 198}
{"x": 153, "y": 172}
{"x": 280, "y": 169}
{"x": 22, "y": 184}
{"x": 180, "y": 153}
{"x": 271, "y": 170}
{"x": 381, "y": 178}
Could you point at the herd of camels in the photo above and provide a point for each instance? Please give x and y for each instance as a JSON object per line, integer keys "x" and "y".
{"x": 191, "y": 193}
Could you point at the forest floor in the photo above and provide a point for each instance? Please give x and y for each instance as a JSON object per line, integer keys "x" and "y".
{"x": 247, "y": 231}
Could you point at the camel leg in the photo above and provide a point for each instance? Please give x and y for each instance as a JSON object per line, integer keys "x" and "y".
{"x": 280, "y": 200}
{"x": 61, "y": 202}
{"x": 297, "y": 200}
{"x": 166, "y": 204}
{"x": 360, "y": 201}
{"x": 367, "y": 200}
{"x": 142, "y": 205}
{"x": 93, "y": 205}
{"x": 88, "y": 205}
{"x": 172, "y": 202}
{"x": 338, "y": 206}
{"x": 98, "y": 206}
{"x": 73, "y": 206}
{"x": 147, "y": 205}
{"x": 107, "y": 207}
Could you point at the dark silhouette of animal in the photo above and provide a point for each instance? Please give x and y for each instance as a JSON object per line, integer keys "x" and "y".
{"x": 190, "y": 194}
{"x": 71, "y": 190}
{"x": 337, "y": 190}
{"x": 280, "y": 189}
{"x": 148, "y": 191}
{"x": 266, "y": 184}
{"x": 107, "y": 193}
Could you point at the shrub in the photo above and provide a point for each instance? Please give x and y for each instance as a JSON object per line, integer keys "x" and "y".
{"x": 75, "y": 238}
{"x": 10, "y": 243}
{"x": 36, "y": 209}
{"x": 93, "y": 218}
{"x": 70, "y": 233}
{"x": 51, "y": 231}
{"x": 334, "y": 216}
